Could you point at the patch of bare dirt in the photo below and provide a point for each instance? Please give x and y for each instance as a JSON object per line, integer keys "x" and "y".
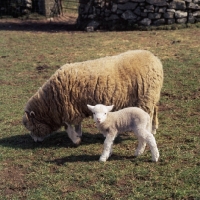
{"x": 12, "y": 180}
{"x": 66, "y": 22}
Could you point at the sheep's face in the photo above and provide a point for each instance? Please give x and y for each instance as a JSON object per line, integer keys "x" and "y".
{"x": 100, "y": 112}
{"x": 38, "y": 130}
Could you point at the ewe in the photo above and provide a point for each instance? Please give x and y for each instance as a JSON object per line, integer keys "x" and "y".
{"x": 127, "y": 119}
{"x": 133, "y": 78}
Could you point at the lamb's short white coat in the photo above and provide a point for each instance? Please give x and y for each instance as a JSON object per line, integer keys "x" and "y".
{"x": 127, "y": 119}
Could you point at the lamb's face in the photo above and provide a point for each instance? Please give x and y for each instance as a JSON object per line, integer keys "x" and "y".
{"x": 38, "y": 131}
{"x": 100, "y": 112}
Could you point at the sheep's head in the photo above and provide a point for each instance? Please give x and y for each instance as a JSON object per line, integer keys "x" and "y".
{"x": 100, "y": 112}
{"x": 38, "y": 130}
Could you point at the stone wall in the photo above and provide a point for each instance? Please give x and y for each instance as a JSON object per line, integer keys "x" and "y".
{"x": 120, "y": 14}
{"x": 17, "y": 8}
{"x": 45, "y": 6}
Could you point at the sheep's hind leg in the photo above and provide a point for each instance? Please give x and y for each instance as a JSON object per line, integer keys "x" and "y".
{"x": 155, "y": 120}
{"x": 107, "y": 151}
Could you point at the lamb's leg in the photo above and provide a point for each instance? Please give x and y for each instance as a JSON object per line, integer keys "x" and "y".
{"x": 141, "y": 146}
{"x": 150, "y": 139}
{"x": 107, "y": 151}
{"x": 145, "y": 136}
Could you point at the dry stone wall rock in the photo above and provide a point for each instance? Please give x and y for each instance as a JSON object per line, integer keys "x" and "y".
{"x": 119, "y": 14}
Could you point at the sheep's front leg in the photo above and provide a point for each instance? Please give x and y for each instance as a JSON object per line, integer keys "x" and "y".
{"x": 107, "y": 147}
{"x": 78, "y": 130}
{"x": 72, "y": 134}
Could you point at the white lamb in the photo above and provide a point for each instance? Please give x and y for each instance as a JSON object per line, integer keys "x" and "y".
{"x": 128, "y": 119}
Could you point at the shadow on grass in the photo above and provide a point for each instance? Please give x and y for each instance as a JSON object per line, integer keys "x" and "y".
{"x": 58, "y": 139}
{"x": 37, "y": 26}
{"x": 73, "y": 158}
{"x": 92, "y": 158}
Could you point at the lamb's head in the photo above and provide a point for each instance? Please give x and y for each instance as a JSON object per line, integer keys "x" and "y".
{"x": 38, "y": 130}
{"x": 100, "y": 112}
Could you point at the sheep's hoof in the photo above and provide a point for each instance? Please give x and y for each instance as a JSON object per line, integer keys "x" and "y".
{"x": 37, "y": 139}
{"x": 78, "y": 140}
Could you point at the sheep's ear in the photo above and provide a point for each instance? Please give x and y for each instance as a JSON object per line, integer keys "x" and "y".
{"x": 109, "y": 108}
{"x": 90, "y": 107}
{"x": 29, "y": 114}
{"x": 32, "y": 114}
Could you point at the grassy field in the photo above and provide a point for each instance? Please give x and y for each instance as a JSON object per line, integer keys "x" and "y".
{"x": 56, "y": 169}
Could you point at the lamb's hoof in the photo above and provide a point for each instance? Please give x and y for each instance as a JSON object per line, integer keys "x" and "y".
{"x": 154, "y": 131}
{"x": 155, "y": 159}
{"x": 102, "y": 159}
{"x": 136, "y": 154}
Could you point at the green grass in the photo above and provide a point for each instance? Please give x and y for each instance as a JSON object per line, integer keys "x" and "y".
{"x": 56, "y": 169}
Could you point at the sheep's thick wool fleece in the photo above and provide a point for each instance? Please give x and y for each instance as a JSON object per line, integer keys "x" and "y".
{"x": 133, "y": 78}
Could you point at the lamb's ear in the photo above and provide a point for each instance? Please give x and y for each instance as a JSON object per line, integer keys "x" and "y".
{"x": 109, "y": 108}
{"x": 90, "y": 107}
